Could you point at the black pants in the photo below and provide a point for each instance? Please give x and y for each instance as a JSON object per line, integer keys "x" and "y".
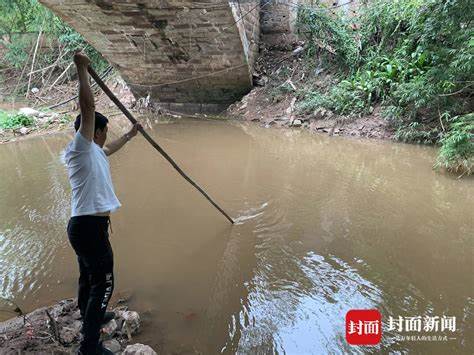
{"x": 89, "y": 237}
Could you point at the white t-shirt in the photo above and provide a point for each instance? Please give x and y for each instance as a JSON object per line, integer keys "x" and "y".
{"x": 89, "y": 175}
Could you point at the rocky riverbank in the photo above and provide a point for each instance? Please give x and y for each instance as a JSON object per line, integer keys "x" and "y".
{"x": 24, "y": 119}
{"x": 28, "y": 122}
{"x": 282, "y": 75}
{"x": 57, "y": 330}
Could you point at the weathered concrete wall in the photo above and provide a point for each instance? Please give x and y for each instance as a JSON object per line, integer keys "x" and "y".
{"x": 180, "y": 52}
{"x": 247, "y": 19}
{"x": 275, "y": 16}
{"x": 278, "y": 17}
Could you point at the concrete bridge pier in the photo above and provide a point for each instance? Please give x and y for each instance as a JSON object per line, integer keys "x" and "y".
{"x": 187, "y": 55}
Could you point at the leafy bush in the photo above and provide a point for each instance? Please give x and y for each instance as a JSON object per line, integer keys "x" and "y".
{"x": 278, "y": 92}
{"x": 73, "y": 41}
{"x": 14, "y": 120}
{"x": 415, "y": 58}
{"x": 24, "y": 16}
{"x": 327, "y": 33}
{"x": 312, "y": 100}
{"x": 18, "y": 18}
{"x": 414, "y": 132}
{"x": 457, "y": 150}
{"x": 17, "y": 53}
{"x": 344, "y": 98}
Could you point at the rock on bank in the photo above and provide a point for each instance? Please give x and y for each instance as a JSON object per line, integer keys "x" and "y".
{"x": 56, "y": 329}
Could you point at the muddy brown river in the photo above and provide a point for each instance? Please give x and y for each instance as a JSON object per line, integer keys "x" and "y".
{"x": 324, "y": 225}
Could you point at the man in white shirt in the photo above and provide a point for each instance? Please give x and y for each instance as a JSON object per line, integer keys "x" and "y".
{"x": 93, "y": 199}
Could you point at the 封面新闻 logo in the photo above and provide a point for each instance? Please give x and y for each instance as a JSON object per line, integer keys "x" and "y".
{"x": 363, "y": 327}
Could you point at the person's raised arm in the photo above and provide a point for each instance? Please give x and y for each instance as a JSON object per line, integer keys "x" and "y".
{"x": 86, "y": 98}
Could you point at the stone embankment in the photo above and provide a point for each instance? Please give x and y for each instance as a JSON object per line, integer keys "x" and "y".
{"x": 57, "y": 329}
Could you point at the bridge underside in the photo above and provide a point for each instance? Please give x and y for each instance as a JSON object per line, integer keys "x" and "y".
{"x": 188, "y": 55}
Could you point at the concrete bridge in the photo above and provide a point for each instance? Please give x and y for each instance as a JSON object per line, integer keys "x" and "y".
{"x": 188, "y": 55}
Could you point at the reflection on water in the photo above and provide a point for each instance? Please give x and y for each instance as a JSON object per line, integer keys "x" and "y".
{"x": 324, "y": 225}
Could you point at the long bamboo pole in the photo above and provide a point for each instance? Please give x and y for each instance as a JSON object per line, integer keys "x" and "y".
{"x": 150, "y": 140}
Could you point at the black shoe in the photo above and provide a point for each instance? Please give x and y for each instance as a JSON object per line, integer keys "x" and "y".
{"x": 103, "y": 351}
{"x": 108, "y": 316}
{"x": 100, "y": 350}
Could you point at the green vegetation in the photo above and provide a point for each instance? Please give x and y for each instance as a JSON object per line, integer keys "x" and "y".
{"x": 33, "y": 39}
{"x": 457, "y": 150}
{"x": 12, "y": 120}
{"x": 415, "y": 58}
{"x": 328, "y": 32}
{"x": 20, "y": 23}
{"x": 9, "y": 120}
